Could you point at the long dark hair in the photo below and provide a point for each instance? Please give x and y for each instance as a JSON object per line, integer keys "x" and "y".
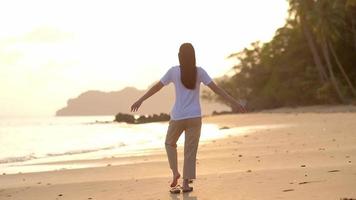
{"x": 188, "y": 69}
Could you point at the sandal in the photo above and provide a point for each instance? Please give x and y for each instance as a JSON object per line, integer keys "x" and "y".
{"x": 175, "y": 190}
{"x": 189, "y": 189}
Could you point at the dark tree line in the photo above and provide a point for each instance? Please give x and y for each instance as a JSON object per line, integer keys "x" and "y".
{"x": 310, "y": 60}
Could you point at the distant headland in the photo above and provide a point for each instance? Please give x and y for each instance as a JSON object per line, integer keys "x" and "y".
{"x": 111, "y": 103}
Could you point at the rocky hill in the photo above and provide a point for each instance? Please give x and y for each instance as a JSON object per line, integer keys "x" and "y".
{"x": 111, "y": 103}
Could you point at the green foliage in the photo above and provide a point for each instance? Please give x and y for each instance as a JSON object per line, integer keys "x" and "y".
{"x": 283, "y": 72}
{"x": 326, "y": 94}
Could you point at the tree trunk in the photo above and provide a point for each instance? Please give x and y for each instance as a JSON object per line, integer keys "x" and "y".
{"x": 324, "y": 47}
{"x": 342, "y": 69}
{"x": 353, "y": 26}
{"x": 351, "y": 12}
{"x": 312, "y": 46}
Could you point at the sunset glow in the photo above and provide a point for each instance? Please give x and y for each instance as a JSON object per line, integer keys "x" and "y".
{"x": 51, "y": 51}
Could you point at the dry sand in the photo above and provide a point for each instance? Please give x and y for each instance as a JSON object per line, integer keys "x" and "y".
{"x": 312, "y": 158}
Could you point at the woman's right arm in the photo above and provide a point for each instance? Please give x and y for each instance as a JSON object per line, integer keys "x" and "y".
{"x": 235, "y": 104}
{"x": 158, "y": 86}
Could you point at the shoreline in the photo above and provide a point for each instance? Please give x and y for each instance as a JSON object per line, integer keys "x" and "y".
{"x": 318, "y": 154}
{"x": 92, "y": 160}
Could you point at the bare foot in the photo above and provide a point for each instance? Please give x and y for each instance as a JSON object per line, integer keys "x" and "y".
{"x": 186, "y": 187}
{"x": 175, "y": 180}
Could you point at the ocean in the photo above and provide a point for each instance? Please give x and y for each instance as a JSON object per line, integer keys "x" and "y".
{"x": 30, "y": 144}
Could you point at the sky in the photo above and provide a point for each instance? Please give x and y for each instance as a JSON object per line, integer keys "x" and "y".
{"x": 51, "y": 51}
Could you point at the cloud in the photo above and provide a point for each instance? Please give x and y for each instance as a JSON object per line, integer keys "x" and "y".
{"x": 46, "y": 35}
{"x": 9, "y": 57}
{"x": 42, "y": 39}
{"x": 42, "y": 34}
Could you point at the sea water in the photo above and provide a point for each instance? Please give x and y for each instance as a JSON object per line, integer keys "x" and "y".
{"x": 30, "y": 141}
{"x": 30, "y": 144}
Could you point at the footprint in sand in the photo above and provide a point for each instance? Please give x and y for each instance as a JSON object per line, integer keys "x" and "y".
{"x": 288, "y": 190}
{"x": 306, "y": 182}
{"x": 224, "y": 127}
{"x": 336, "y": 170}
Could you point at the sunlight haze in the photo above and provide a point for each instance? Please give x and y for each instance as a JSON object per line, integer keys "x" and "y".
{"x": 51, "y": 51}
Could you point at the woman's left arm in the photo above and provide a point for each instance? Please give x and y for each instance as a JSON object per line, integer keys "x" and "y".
{"x": 235, "y": 104}
{"x": 153, "y": 90}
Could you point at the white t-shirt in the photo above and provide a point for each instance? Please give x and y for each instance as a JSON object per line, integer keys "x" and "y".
{"x": 187, "y": 103}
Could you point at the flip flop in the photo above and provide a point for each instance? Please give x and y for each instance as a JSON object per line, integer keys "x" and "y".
{"x": 175, "y": 190}
{"x": 189, "y": 189}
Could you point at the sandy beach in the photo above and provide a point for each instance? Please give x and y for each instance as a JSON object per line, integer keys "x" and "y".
{"x": 311, "y": 155}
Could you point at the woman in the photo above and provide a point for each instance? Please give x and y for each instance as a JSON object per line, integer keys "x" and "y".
{"x": 186, "y": 112}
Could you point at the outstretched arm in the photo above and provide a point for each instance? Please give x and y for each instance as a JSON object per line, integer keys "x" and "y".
{"x": 147, "y": 95}
{"x": 235, "y": 104}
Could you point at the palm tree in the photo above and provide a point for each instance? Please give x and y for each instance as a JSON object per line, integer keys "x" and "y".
{"x": 325, "y": 51}
{"x": 351, "y": 13}
{"x": 322, "y": 22}
{"x": 329, "y": 20}
{"x": 299, "y": 8}
{"x": 338, "y": 63}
